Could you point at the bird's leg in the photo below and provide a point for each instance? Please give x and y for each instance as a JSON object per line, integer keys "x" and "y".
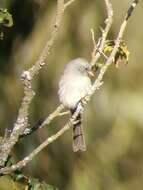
{"x": 84, "y": 101}
{"x": 80, "y": 107}
{"x": 75, "y": 112}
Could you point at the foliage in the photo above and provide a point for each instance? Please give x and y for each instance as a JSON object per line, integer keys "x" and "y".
{"x": 5, "y": 20}
{"x": 18, "y": 181}
{"x": 113, "y": 121}
{"x": 122, "y": 55}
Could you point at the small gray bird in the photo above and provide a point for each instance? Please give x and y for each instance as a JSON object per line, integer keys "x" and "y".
{"x": 73, "y": 86}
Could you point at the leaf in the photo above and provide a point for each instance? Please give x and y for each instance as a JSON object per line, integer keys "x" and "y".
{"x": 5, "y": 18}
{"x": 122, "y": 55}
{"x": 7, "y": 183}
{"x": 5, "y": 21}
{"x": 34, "y": 184}
{"x": 22, "y": 182}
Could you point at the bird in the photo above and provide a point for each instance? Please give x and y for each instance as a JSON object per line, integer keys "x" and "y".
{"x": 73, "y": 86}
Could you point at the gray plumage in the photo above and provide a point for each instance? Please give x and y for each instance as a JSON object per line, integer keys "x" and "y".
{"x": 73, "y": 86}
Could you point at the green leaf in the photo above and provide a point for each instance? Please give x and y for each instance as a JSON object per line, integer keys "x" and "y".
{"x": 5, "y": 18}
{"x": 122, "y": 55}
{"x": 5, "y": 21}
{"x": 22, "y": 182}
{"x": 34, "y": 184}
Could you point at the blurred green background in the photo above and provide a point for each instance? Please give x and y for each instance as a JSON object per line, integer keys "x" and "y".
{"x": 113, "y": 121}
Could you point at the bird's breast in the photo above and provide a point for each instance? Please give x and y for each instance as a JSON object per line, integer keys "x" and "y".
{"x": 72, "y": 89}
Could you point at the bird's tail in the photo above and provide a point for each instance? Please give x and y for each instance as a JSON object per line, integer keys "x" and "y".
{"x": 78, "y": 136}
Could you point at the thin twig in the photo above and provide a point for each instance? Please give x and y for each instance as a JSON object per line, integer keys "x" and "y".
{"x": 27, "y": 76}
{"x": 68, "y": 3}
{"x": 96, "y": 47}
{"x": 49, "y": 140}
{"x": 27, "y": 159}
{"x": 38, "y": 64}
{"x": 131, "y": 8}
{"x": 105, "y": 32}
{"x": 43, "y": 122}
{"x": 98, "y": 81}
{"x": 96, "y": 85}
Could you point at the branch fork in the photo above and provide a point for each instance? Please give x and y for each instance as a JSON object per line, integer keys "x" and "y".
{"x": 27, "y": 76}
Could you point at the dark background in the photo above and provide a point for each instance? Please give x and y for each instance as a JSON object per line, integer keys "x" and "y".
{"x": 113, "y": 121}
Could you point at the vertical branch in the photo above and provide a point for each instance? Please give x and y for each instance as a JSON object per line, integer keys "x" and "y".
{"x": 96, "y": 85}
{"x": 26, "y": 77}
{"x": 98, "y": 81}
{"x": 47, "y": 49}
{"x": 68, "y": 3}
{"x": 48, "y": 141}
{"x": 131, "y": 8}
{"x": 105, "y": 32}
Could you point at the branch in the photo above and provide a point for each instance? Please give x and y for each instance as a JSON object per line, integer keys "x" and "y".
{"x": 41, "y": 123}
{"x": 131, "y": 8}
{"x": 48, "y": 141}
{"x": 26, "y": 77}
{"x": 98, "y": 82}
{"x": 37, "y": 66}
{"x": 108, "y": 22}
{"x": 68, "y": 3}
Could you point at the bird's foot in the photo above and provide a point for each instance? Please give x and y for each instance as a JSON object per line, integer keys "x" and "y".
{"x": 84, "y": 101}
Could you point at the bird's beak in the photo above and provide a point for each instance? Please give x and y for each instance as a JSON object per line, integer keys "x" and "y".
{"x": 91, "y": 74}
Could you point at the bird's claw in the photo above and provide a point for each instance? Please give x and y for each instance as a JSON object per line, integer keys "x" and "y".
{"x": 84, "y": 101}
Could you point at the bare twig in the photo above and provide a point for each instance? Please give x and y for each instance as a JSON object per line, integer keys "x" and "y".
{"x": 41, "y": 123}
{"x": 27, "y": 159}
{"x": 68, "y": 3}
{"x": 37, "y": 65}
{"x": 49, "y": 140}
{"x": 93, "y": 37}
{"x": 98, "y": 81}
{"x": 96, "y": 47}
{"x": 104, "y": 32}
{"x": 131, "y": 8}
{"x": 27, "y": 76}
{"x": 96, "y": 85}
